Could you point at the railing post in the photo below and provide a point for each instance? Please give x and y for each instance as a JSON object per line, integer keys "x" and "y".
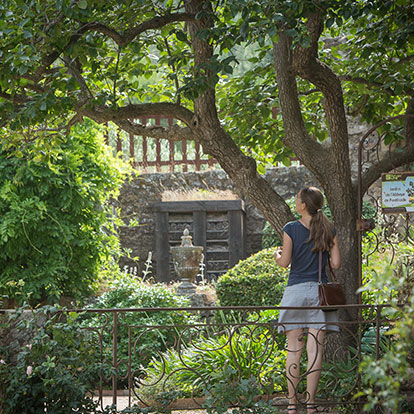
{"x": 114, "y": 358}
{"x": 378, "y": 406}
{"x": 378, "y": 332}
{"x": 129, "y": 366}
{"x": 358, "y": 379}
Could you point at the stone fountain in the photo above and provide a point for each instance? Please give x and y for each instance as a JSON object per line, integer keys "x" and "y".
{"x": 186, "y": 259}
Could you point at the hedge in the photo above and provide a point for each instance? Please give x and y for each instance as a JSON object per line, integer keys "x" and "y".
{"x": 255, "y": 281}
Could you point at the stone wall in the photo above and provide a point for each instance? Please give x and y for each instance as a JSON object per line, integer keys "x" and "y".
{"x": 138, "y": 195}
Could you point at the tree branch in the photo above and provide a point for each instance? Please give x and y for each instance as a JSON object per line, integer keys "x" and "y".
{"x": 296, "y": 135}
{"x": 130, "y": 34}
{"x": 121, "y": 39}
{"x": 79, "y": 78}
{"x": 177, "y": 86}
{"x": 406, "y": 59}
{"x": 360, "y": 106}
{"x": 17, "y": 99}
{"x": 376, "y": 85}
{"x": 306, "y": 64}
{"x": 174, "y": 133}
{"x": 392, "y": 159}
{"x": 241, "y": 169}
{"x": 133, "y": 111}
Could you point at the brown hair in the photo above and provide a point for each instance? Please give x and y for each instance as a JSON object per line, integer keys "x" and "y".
{"x": 321, "y": 229}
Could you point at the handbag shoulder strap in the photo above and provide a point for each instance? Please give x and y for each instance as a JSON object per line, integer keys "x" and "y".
{"x": 320, "y": 268}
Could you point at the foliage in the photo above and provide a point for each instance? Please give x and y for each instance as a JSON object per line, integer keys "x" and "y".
{"x": 118, "y": 61}
{"x": 243, "y": 393}
{"x": 56, "y": 228}
{"x": 383, "y": 378}
{"x": 96, "y": 66}
{"x": 255, "y": 281}
{"x": 382, "y": 256}
{"x": 376, "y": 89}
{"x": 240, "y": 358}
{"x": 127, "y": 292}
{"x": 55, "y": 370}
{"x": 340, "y": 376}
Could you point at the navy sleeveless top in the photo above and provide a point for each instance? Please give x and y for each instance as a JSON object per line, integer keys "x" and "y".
{"x": 304, "y": 265}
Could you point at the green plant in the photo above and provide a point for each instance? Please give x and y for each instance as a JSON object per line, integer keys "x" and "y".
{"x": 383, "y": 378}
{"x": 56, "y": 228}
{"x": 55, "y": 370}
{"x": 255, "y": 281}
{"x": 269, "y": 237}
{"x": 201, "y": 366}
{"x": 127, "y": 292}
{"x": 225, "y": 392}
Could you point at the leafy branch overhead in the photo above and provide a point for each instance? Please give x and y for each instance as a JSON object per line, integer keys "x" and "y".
{"x": 254, "y": 82}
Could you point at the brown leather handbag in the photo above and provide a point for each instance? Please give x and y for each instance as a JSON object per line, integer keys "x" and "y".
{"x": 331, "y": 293}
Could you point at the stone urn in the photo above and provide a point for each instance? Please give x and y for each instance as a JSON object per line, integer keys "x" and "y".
{"x": 186, "y": 259}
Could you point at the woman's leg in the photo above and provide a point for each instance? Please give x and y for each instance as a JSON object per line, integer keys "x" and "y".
{"x": 314, "y": 349}
{"x": 294, "y": 352}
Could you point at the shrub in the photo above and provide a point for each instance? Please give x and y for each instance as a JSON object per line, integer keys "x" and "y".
{"x": 255, "y": 281}
{"x": 384, "y": 378}
{"x": 54, "y": 370}
{"x": 127, "y": 292}
{"x": 56, "y": 228}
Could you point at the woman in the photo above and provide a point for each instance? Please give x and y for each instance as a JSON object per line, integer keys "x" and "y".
{"x": 302, "y": 242}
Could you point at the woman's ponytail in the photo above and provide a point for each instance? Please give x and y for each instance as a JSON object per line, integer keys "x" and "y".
{"x": 321, "y": 229}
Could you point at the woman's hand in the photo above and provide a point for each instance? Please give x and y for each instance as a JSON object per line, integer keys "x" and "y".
{"x": 278, "y": 253}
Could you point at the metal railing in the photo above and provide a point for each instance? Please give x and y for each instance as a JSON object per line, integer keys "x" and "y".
{"x": 182, "y": 364}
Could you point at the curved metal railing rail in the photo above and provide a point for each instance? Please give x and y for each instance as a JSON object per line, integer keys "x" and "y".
{"x": 183, "y": 364}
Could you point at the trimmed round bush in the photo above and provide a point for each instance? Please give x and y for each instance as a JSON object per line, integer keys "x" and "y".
{"x": 255, "y": 281}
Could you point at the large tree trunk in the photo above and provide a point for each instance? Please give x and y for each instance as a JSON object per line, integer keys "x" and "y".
{"x": 217, "y": 143}
{"x": 334, "y": 177}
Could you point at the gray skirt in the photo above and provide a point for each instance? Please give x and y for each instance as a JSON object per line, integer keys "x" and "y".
{"x": 305, "y": 294}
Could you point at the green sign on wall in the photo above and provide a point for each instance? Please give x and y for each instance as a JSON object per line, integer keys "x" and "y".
{"x": 398, "y": 193}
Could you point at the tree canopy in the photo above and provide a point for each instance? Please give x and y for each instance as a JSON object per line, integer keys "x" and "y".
{"x": 314, "y": 63}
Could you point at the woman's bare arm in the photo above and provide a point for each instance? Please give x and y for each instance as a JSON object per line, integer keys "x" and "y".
{"x": 283, "y": 255}
{"x": 335, "y": 255}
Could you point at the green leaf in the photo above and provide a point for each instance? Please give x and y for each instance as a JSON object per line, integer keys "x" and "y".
{"x": 261, "y": 168}
{"x": 335, "y": 53}
{"x": 291, "y": 32}
{"x": 181, "y": 36}
{"x": 82, "y": 4}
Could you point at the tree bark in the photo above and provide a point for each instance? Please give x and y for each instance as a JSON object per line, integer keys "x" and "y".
{"x": 334, "y": 177}
{"x": 217, "y": 143}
